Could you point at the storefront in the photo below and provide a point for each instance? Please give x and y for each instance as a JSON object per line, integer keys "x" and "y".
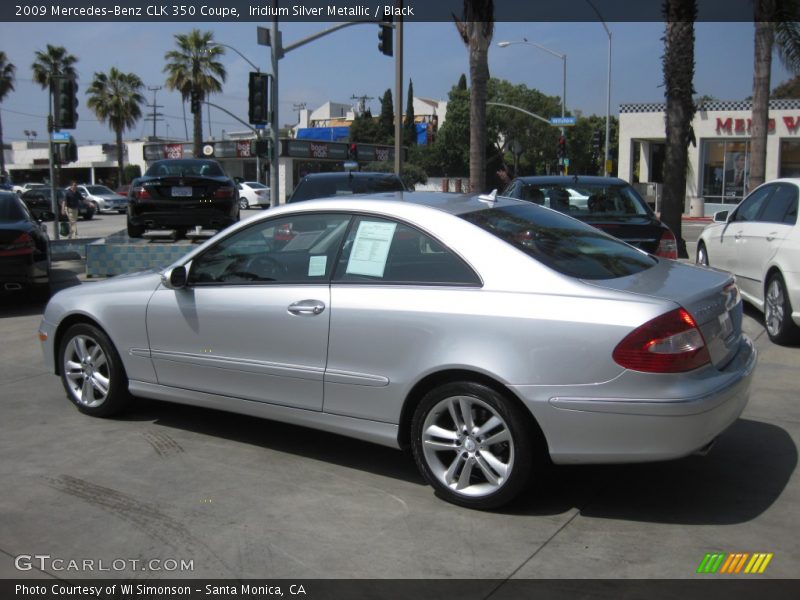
{"x": 719, "y": 161}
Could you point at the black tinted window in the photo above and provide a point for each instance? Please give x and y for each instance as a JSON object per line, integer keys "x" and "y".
{"x": 10, "y": 209}
{"x": 751, "y": 206}
{"x": 384, "y": 251}
{"x": 782, "y": 205}
{"x": 323, "y": 187}
{"x": 563, "y": 244}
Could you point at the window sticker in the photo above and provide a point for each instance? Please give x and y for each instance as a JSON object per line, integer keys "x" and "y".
{"x": 371, "y": 248}
{"x": 317, "y": 265}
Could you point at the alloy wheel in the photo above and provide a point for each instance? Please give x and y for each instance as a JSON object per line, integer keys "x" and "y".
{"x": 86, "y": 371}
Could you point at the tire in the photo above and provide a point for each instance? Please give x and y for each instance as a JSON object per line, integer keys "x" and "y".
{"x": 92, "y": 372}
{"x": 243, "y": 204}
{"x": 468, "y": 468}
{"x": 702, "y": 254}
{"x": 778, "y": 312}
{"x": 135, "y": 231}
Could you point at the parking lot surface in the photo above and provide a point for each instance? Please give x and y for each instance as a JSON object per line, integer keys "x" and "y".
{"x": 238, "y": 497}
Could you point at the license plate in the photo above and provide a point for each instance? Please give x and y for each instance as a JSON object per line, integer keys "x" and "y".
{"x": 181, "y": 191}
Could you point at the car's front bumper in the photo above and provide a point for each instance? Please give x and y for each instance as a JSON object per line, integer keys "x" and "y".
{"x": 602, "y": 424}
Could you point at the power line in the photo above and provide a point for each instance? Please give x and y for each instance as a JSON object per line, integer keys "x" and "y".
{"x": 155, "y": 118}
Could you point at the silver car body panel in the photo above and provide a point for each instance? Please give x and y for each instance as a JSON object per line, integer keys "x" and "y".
{"x": 546, "y": 337}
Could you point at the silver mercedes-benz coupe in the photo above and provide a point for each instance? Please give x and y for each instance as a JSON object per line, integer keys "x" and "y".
{"x": 482, "y": 333}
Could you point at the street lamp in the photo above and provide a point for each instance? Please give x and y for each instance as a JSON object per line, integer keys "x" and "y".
{"x": 247, "y": 60}
{"x": 563, "y": 58}
{"x": 608, "y": 98}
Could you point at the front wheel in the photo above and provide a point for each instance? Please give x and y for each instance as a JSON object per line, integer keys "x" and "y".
{"x": 472, "y": 445}
{"x": 92, "y": 372}
{"x": 778, "y": 312}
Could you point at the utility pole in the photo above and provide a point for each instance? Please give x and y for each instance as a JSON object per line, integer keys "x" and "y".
{"x": 155, "y": 117}
{"x": 398, "y": 84}
{"x": 361, "y": 107}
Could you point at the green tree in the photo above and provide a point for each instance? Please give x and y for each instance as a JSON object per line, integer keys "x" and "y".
{"x": 116, "y": 98}
{"x": 451, "y": 148}
{"x": 776, "y": 26}
{"x": 409, "y": 124}
{"x": 364, "y": 129}
{"x": 385, "y": 128}
{"x": 476, "y": 30}
{"x": 787, "y": 89}
{"x": 53, "y": 62}
{"x": 7, "y": 73}
{"x": 678, "y": 66}
{"x": 194, "y": 66}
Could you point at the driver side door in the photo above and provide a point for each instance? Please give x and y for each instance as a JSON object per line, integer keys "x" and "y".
{"x": 252, "y": 321}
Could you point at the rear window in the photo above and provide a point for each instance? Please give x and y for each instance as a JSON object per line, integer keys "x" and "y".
{"x": 10, "y": 209}
{"x": 185, "y": 168}
{"x": 323, "y": 187}
{"x": 561, "y": 243}
{"x": 582, "y": 199}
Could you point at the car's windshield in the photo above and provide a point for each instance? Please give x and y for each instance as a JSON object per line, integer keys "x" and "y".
{"x": 582, "y": 200}
{"x": 563, "y": 244}
{"x": 10, "y": 209}
{"x": 98, "y": 189}
{"x": 322, "y": 187}
{"x": 184, "y": 168}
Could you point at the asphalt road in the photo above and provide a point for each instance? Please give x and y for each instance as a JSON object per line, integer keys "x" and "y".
{"x": 241, "y": 497}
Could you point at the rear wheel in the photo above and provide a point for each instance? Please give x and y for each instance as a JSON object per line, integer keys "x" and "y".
{"x": 702, "y": 254}
{"x": 472, "y": 445}
{"x": 135, "y": 231}
{"x": 243, "y": 204}
{"x": 778, "y": 312}
{"x": 92, "y": 371}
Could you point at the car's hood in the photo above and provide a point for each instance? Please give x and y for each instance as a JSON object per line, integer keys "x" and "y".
{"x": 76, "y": 298}
{"x": 705, "y": 293}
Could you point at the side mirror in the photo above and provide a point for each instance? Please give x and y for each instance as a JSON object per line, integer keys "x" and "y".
{"x": 175, "y": 278}
{"x": 721, "y": 216}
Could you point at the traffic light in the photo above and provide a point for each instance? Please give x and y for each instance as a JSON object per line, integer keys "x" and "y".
{"x": 194, "y": 97}
{"x": 66, "y": 153}
{"x": 72, "y": 150}
{"x": 385, "y": 36}
{"x": 258, "y": 111}
{"x": 260, "y": 147}
{"x": 561, "y": 147}
{"x": 596, "y": 139}
{"x": 352, "y": 152}
{"x": 65, "y": 102}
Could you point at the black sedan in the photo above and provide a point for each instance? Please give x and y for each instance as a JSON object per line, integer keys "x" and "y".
{"x": 24, "y": 247}
{"x": 38, "y": 201}
{"x": 180, "y": 194}
{"x": 607, "y": 203}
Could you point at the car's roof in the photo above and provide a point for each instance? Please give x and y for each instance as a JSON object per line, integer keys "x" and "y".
{"x": 566, "y": 180}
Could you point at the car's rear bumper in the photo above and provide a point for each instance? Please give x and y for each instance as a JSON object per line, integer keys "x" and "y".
{"x": 592, "y": 428}
{"x": 22, "y": 271}
{"x": 170, "y": 219}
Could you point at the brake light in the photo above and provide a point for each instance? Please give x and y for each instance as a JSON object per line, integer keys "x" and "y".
{"x": 667, "y": 246}
{"x": 22, "y": 245}
{"x": 140, "y": 193}
{"x": 225, "y": 191}
{"x": 671, "y": 343}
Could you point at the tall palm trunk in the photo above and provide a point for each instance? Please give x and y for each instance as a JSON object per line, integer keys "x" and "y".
{"x": 198, "y": 134}
{"x": 120, "y": 157}
{"x": 479, "y": 76}
{"x": 678, "y": 65}
{"x": 762, "y": 66}
{"x": 2, "y": 152}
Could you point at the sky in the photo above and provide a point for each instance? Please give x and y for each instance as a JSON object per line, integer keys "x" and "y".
{"x": 347, "y": 63}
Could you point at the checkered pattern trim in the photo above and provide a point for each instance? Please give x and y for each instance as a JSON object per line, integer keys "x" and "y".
{"x": 718, "y": 105}
{"x": 106, "y": 260}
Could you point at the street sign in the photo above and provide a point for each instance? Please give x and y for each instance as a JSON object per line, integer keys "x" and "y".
{"x": 60, "y": 136}
{"x": 562, "y": 121}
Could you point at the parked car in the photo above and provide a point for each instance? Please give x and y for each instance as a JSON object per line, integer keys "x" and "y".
{"x": 486, "y": 335}
{"x": 180, "y": 194}
{"x": 123, "y": 189}
{"x": 607, "y": 203}
{"x": 253, "y": 194}
{"x": 24, "y": 187}
{"x": 759, "y": 242}
{"x": 323, "y": 185}
{"x": 104, "y": 198}
{"x": 24, "y": 248}
{"x": 38, "y": 201}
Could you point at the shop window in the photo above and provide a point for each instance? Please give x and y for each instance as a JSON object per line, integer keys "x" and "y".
{"x": 790, "y": 159}
{"x": 725, "y": 170}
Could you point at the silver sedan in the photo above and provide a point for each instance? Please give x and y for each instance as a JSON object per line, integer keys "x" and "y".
{"x": 487, "y": 335}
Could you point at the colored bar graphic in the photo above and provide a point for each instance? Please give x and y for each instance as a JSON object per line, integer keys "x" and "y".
{"x": 732, "y": 564}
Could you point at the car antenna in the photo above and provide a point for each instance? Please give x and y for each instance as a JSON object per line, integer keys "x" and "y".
{"x": 490, "y": 197}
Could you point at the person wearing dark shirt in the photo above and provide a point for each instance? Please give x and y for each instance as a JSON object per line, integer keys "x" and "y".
{"x": 69, "y": 208}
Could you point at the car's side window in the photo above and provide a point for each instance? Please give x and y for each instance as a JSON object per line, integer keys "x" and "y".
{"x": 781, "y": 206}
{"x": 385, "y": 251}
{"x": 295, "y": 249}
{"x": 751, "y": 206}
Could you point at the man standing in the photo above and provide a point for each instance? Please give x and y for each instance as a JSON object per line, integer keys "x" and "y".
{"x": 69, "y": 208}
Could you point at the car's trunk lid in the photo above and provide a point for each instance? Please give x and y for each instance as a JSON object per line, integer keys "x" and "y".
{"x": 641, "y": 231}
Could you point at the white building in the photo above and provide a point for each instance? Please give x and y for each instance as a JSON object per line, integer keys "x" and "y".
{"x": 719, "y": 162}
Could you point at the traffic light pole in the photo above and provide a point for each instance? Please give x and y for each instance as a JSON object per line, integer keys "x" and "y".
{"x": 53, "y": 189}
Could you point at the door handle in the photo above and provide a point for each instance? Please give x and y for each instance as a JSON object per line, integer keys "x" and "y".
{"x": 772, "y": 235}
{"x": 738, "y": 235}
{"x": 307, "y": 307}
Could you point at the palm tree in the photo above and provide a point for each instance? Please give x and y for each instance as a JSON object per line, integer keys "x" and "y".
{"x": 775, "y": 27}
{"x": 54, "y": 62}
{"x": 194, "y": 67}
{"x": 678, "y": 65}
{"x": 116, "y": 99}
{"x": 476, "y": 31}
{"x": 7, "y": 72}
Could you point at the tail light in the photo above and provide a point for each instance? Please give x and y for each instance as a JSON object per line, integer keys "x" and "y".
{"x": 224, "y": 191}
{"x": 22, "y": 245}
{"x": 667, "y": 246}
{"x": 284, "y": 233}
{"x": 140, "y": 193}
{"x": 671, "y": 343}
